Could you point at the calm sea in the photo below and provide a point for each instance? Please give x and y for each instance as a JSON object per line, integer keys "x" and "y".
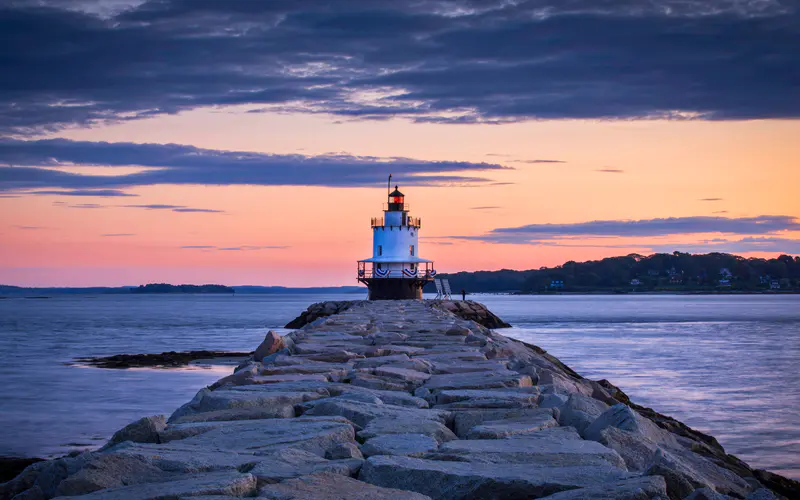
{"x": 726, "y": 365}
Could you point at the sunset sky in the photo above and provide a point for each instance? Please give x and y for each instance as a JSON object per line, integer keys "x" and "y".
{"x": 249, "y": 142}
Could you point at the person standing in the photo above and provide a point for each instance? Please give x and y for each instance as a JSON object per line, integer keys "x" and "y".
{"x": 463, "y": 295}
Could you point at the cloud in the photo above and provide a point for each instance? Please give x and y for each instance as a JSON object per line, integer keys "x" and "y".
{"x": 451, "y": 61}
{"x": 750, "y": 244}
{"x": 30, "y": 228}
{"x": 87, "y": 205}
{"x": 610, "y": 170}
{"x": 711, "y": 199}
{"x": 538, "y": 161}
{"x": 176, "y": 208}
{"x": 538, "y": 233}
{"x": 186, "y": 165}
{"x": 484, "y": 208}
{"x": 720, "y": 212}
{"x": 117, "y": 235}
{"x": 100, "y": 193}
{"x": 244, "y": 248}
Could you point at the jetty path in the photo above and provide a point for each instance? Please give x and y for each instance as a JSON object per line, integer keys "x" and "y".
{"x": 402, "y": 400}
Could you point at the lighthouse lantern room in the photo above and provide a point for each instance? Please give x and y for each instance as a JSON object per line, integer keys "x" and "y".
{"x": 395, "y": 271}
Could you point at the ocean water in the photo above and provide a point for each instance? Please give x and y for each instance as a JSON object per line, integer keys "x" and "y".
{"x": 725, "y": 365}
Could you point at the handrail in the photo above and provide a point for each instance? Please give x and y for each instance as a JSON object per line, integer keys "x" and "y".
{"x": 410, "y": 222}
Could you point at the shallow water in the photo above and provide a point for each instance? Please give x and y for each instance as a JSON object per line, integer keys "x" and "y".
{"x": 726, "y": 365}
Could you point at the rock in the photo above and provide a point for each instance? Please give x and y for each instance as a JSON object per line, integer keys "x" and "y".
{"x": 266, "y": 360}
{"x": 277, "y": 404}
{"x": 291, "y": 463}
{"x": 761, "y": 494}
{"x": 639, "y": 488}
{"x": 478, "y": 380}
{"x": 458, "y": 480}
{"x": 497, "y": 429}
{"x": 381, "y": 360}
{"x": 407, "y": 425}
{"x": 103, "y": 471}
{"x": 406, "y": 375}
{"x": 377, "y": 383}
{"x": 637, "y": 450}
{"x": 330, "y": 486}
{"x": 229, "y": 483}
{"x": 362, "y": 414}
{"x": 144, "y": 430}
{"x": 272, "y": 343}
{"x": 552, "y": 447}
{"x": 343, "y": 451}
{"x": 312, "y": 434}
{"x": 779, "y": 484}
{"x": 624, "y": 417}
{"x": 705, "y": 494}
{"x": 510, "y": 398}
{"x": 457, "y": 330}
{"x": 465, "y": 420}
{"x": 412, "y": 445}
{"x": 688, "y": 472}
{"x": 580, "y": 411}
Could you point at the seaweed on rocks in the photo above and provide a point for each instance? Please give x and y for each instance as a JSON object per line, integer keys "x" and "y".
{"x": 171, "y": 359}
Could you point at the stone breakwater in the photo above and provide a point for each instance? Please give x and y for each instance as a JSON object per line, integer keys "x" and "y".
{"x": 402, "y": 400}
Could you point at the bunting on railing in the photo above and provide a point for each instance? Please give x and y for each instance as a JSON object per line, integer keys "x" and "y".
{"x": 410, "y": 273}
{"x": 431, "y": 272}
{"x": 381, "y": 273}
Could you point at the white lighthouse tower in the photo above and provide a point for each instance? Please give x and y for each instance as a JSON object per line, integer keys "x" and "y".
{"x": 395, "y": 271}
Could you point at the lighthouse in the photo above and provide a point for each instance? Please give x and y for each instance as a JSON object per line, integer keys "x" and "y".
{"x": 396, "y": 270}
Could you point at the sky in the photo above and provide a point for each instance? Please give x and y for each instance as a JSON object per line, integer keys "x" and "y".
{"x": 249, "y": 142}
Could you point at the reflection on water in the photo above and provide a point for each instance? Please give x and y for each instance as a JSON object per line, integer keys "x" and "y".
{"x": 725, "y": 365}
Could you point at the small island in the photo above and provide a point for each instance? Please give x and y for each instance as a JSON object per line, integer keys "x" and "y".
{"x": 167, "y": 288}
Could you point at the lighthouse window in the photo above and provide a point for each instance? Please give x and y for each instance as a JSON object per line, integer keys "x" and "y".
{"x": 411, "y": 248}
{"x": 380, "y": 249}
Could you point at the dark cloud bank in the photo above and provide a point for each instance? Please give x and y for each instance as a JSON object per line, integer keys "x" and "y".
{"x": 29, "y": 168}
{"x": 74, "y": 62}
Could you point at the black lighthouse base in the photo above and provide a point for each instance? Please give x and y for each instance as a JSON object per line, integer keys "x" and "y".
{"x": 394, "y": 288}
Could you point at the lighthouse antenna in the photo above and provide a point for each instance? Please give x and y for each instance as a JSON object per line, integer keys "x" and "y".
{"x": 389, "y": 186}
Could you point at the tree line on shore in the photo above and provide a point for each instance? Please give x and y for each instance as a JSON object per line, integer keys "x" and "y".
{"x": 677, "y": 272}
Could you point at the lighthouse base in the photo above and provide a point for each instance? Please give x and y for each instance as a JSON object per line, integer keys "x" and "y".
{"x": 394, "y": 288}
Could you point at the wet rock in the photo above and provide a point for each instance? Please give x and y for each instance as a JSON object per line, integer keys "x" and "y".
{"x": 330, "y": 486}
{"x": 411, "y": 445}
